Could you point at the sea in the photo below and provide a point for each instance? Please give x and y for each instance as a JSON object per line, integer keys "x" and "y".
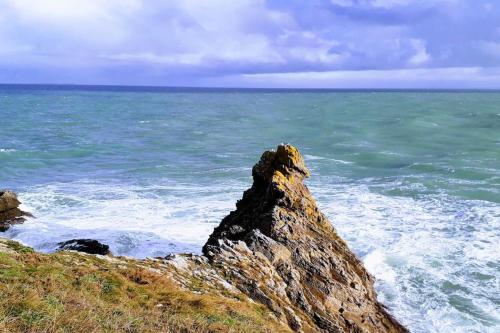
{"x": 410, "y": 179}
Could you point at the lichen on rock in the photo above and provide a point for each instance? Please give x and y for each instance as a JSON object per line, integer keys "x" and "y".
{"x": 278, "y": 248}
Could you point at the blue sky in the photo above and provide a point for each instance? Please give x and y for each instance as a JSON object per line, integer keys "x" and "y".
{"x": 252, "y": 43}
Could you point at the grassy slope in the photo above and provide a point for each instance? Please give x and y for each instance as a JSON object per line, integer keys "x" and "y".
{"x": 73, "y": 292}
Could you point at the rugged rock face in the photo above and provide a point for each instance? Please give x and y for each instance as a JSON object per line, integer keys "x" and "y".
{"x": 85, "y": 245}
{"x": 279, "y": 249}
{"x": 9, "y": 211}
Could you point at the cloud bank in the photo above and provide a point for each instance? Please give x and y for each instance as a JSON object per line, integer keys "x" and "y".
{"x": 275, "y": 43}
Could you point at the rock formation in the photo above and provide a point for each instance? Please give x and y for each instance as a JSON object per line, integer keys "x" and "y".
{"x": 276, "y": 249}
{"x": 9, "y": 210}
{"x": 279, "y": 249}
{"x": 85, "y": 245}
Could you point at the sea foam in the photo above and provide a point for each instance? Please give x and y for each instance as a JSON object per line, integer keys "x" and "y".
{"x": 434, "y": 257}
{"x": 133, "y": 221}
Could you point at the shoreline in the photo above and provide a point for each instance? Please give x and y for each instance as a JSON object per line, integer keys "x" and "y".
{"x": 251, "y": 253}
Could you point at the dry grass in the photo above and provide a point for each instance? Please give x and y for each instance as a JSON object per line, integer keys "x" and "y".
{"x": 71, "y": 292}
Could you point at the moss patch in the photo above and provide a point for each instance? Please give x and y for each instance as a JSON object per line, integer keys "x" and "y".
{"x": 18, "y": 247}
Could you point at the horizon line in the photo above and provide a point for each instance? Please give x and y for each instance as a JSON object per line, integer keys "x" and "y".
{"x": 180, "y": 87}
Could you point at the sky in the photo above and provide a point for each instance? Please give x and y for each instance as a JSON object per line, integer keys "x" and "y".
{"x": 252, "y": 43}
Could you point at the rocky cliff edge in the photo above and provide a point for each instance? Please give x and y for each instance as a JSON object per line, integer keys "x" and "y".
{"x": 280, "y": 250}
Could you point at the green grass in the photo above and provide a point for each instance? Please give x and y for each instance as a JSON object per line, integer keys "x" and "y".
{"x": 18, "y": 247}
{"x": 72, "y": 292}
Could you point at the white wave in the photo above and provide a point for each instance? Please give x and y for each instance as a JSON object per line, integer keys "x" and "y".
{"x": 375, "y": 263}
{"x": 391, "y": 153}
{"x": 5, "y": 150}
{"x": 435, "y": 258}
{"x": 315, "y": 158}
{"x": 340, "y": 161}
{"x": 134, "y": 221}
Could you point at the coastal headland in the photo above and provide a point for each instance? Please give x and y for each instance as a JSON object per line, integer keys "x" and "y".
{"x": 275, "y": 264}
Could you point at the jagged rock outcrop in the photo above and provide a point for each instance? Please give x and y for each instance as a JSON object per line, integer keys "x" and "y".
{"x": 9, "y": 210}
{"x": 90, "y": 246}
{"x": 279, "y": 249}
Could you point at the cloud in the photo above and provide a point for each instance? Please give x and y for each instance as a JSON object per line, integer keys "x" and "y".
{"x": 489, "y": 48}
{"x": 421, "y": 56}
{"x": 189, "y": 41}
{"x": 388, "y": 4}
{"x": 459, "y": 77}
{"x": 137, "y": 30}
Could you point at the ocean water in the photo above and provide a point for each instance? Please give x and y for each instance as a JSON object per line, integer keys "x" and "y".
{"x": 411, "y": 179}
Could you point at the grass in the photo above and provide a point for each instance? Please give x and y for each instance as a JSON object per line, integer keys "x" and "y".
{"x": 72, "y": 292}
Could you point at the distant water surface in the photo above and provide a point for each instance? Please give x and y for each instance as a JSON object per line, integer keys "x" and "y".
{"x": 410, "y": 179}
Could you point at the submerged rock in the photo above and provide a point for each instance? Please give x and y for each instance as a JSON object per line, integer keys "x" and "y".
{"x": 279, "y": 249}
{"x": 85, "y": 245}
{"x": 9, "y": 210}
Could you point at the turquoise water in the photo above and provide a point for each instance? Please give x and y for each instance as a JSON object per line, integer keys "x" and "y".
{"x": 410, "y": 179}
